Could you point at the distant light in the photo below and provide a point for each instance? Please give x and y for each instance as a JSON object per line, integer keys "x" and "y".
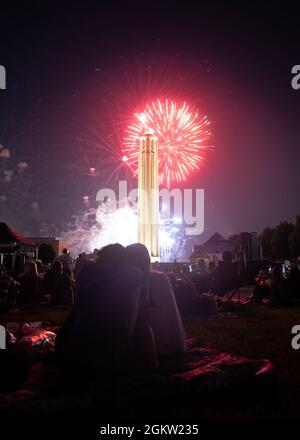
{"x": 124, "y": 158}
{"x": 92, "y": 170}
{"x": 5, "y": 153}
{"x": 8, "y": 175}
{"x": 35, "y": 205}
{"x": 22, "y": 165}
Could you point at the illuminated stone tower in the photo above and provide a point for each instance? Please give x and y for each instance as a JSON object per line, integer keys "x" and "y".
{"x": 148, "y": 195}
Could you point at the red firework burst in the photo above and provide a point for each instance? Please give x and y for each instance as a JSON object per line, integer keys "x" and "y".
{"x": 182, "y": 136}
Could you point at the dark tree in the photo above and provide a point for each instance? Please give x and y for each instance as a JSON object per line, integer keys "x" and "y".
{"x": 46, "y": 253}
{"x": 294, "y": 241}
{"x": 235, "y": 239}
{"x": 266, "y": 238}
{"x": 281, "y": 239}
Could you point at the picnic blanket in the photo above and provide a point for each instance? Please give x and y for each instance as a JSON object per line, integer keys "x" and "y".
{"x": 46, "y": 391}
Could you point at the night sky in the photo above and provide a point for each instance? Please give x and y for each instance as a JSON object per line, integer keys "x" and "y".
{"x": 76, "y": 72}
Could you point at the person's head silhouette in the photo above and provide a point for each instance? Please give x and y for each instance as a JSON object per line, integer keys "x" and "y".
{"x": 57, "y": 267}
{"x": 111, "y": 256}
{"x": 137, "y": 255}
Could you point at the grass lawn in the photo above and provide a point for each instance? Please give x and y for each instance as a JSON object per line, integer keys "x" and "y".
{"x": 257, "y": 332}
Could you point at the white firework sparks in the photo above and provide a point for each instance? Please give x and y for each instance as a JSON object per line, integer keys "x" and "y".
{"x": 98, "y": 227}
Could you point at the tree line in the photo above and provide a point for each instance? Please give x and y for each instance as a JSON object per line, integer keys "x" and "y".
{"x": 277, "y": 243}
{"x": 282, "y": 241}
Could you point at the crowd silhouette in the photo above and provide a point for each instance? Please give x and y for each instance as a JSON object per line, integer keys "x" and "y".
{"x": 277, "y": 289}
{"x": 68, "y": 282}
{"x": 124, "y": 315}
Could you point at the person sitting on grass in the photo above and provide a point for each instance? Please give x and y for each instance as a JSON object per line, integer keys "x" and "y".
{"x": 30, "y": 284}
{"x": 261, "y": 289}
{"x": 81, "y": 261}
{"x": 8, "y": 290}
{"x": 158, "y": 309}
{"x": 97, "y": 337}
{"x": 293, "y": 284}
{"x": 225, "y": 277}
{"x": 184, "y": 292}
{"x": 278, "y": 288}
{"x": 64, "y": 292}
{"x": 51, "y": 280}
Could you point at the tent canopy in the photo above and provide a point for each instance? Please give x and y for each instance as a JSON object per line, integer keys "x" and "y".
{"x": 10, "y": 238}
{"x": 216, "y": 244}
